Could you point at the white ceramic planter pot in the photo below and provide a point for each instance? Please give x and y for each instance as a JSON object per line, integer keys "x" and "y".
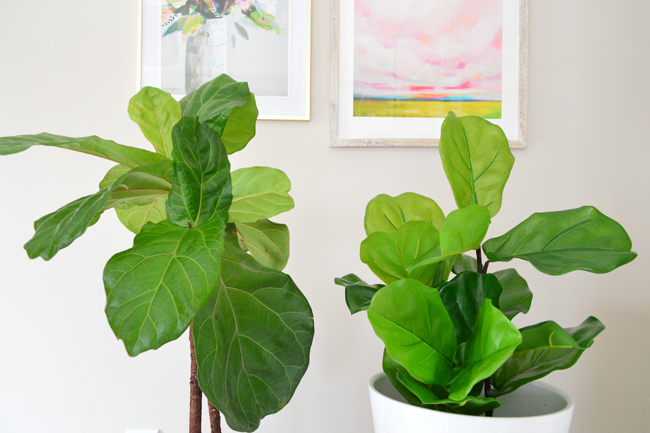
{"x": 534, "y": 408}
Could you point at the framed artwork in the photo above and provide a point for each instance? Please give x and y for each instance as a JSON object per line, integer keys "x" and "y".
{"x": 398, "y": 68}
{"x": 186, "y": 43}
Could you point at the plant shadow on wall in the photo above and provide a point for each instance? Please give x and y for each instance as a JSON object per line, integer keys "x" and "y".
{"x": 205, "y": 32}
{"x": 205, "y": 255}
{"x": 450, "y": 343}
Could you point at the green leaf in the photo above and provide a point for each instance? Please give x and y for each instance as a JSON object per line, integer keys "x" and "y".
{"x": 545, "y": 347}
{"x": 240, "y": 127}
{"x": 267, "y": 241}
{"x": 386, "y": 214}
{"x": 126, "y": 155}
{"x": 465, "y": 263}
{"x": 154, "y": 289}
{"x": 201, "y": 186}
{"x": 113, "y": 174}
{"x": 471, "y": 405}
{"x": 494, "y": 340}
{"x": 464, "y": 230}
{"x": 389, "y": 255}
{"x": 141, "y": 185}
{"x": 215, "y": 102}
{"x": 477, "y": 160}
{"x": 392, "y": 368}
{"x": 516, "y": 297}
{"x": 413, "y": 323}
{"x": 358, "y": 293}
{"x": 59, "y": 229}
{"x": 560, "y": 242}
{"x": 259, "y": 193}
{"x": 156, "y": 112}
{"x": 135, "y": 217}
{"x": 463, "y": 297}
{"x": 252, "y": 340}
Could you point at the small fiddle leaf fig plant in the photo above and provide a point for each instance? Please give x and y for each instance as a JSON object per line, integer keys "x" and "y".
{"x": 205, "y": 254}
{"x": 450, "y": 341}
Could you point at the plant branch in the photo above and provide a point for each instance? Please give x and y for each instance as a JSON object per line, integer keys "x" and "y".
{"x": 479, "y": 261}
{"x": 215, "y": 419}
{"x": 196, "y": 396}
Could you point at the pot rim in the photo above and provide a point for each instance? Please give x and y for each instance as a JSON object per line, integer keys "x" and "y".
{"x": 569, "y": 406}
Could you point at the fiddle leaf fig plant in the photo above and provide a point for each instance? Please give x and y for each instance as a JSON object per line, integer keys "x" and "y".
{"x": 205, "y": 255}
{"x": 450, "y": 341}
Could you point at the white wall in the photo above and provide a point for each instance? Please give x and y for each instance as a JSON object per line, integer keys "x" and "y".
{"x": 69, "y": 68}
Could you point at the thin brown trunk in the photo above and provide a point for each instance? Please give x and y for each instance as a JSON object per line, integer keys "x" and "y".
{"x": 215, "y": 419}
{"x": 196, "y": 395}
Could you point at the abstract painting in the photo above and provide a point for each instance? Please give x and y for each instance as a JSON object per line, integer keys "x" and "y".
{"x": 428, "y": 58}
{"x": 398, "y": 68}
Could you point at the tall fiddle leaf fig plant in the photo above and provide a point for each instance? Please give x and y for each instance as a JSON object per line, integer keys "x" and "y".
{"x": 450, "y": 341}
{"x": 205, "y": 254}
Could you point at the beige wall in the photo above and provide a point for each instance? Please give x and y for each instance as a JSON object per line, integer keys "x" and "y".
{"x": 69, "y": 68}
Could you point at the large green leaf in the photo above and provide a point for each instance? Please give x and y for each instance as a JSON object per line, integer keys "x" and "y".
{"x": 135, "y": 217}
{"x": 156, "y": 112}
{"x": 560, "y": 242}
{"x": 516, "y": 297}
{"x": 389, "y": 255}
{"x": 358, "y": 293}
{"x": 60, "y": 228}
{"x": 465, "y": 263}
{"x": 386, "y": 214}
{"x": 464, "y": 230}
{"x": 113, "y": 174}
{"x": 141, "y": 185}
{"x": 392, "y": 368}
{"x": 477, "y": 160}
{"x": 107, "y": 149}
{"x": 267, "y": 241}
{"x": 545, "y": 347}
{"x": 240, "y": 127}
{"x": 225, "y": 105}
{"x": 154, "y": 289}
{"x": 463, "y": 297}
{"x": 493, "y": 341}
{"x": 259, "y": 193}
{"x": 201, "y": 186}
{"x": 252, "y": 340}
{"x": 413, "y": 323}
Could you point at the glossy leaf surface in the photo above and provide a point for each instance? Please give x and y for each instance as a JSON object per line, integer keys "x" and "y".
{"x": 107, "y": 149}
{"x": 267, "y": 241}
{"x": 464, "y": 230}
{"x": 392, "y": 368}
{"x": 516, "y": 297}
{"x": 221, "y": 102}
{"x": 413, "y": 323}
{"x": 560, "y": 242}
{"x": 494, "y": 340}
{"x": 135, "y": 217}
{"x": 477, "y": 160}
{"x": 464, "y": 263}
{"x": 252, "y": 340}
{"x": 142, "y": 185}
{"x": 387, "y": 214}
{"x": 259, "y": 193}
{"x": 389, "y": 255}
{"x": 154, "y": 288}
{"x": 60, "y": 228}
{"x": 201, "y": 186}
{"x": 469, "y": 406}
{"x": 545, "y": 348}
{"x": 156, "y": 112}
{"x": 358, "y": 293}
{"x": 463, "y": 297}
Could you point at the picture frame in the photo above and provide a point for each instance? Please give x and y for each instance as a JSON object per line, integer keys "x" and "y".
{"x": 272, "y": 52}
{"x": 370, "y": 107}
